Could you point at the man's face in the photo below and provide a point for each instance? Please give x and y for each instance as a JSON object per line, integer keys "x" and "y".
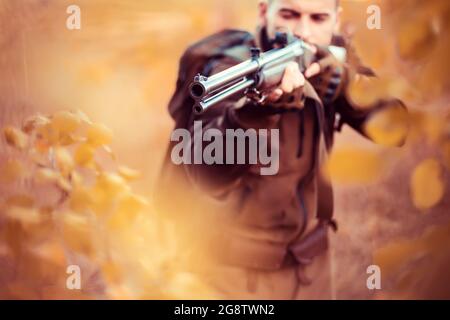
{"x": 313, "y": 21}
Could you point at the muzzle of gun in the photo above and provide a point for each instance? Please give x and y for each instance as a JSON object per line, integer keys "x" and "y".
{"x": 261, "y": 72}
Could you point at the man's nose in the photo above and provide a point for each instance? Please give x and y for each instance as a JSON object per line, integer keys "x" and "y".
{"x": 303, "y": 29}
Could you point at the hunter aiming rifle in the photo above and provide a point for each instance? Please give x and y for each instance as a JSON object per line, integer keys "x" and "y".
{"x": 261, "y": 72}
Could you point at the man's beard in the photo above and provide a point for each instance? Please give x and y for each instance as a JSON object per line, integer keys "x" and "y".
{"x": 266, "y": 43}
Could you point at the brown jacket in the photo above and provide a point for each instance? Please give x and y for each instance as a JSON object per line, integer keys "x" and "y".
{"x": 234, "y": 213}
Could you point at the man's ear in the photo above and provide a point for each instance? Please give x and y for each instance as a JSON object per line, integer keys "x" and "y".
{"x": 337, "y": 26}
{"x": 263, "y": 6}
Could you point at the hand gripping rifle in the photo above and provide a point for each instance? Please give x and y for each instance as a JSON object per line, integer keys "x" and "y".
{"x": 261, "y": 72}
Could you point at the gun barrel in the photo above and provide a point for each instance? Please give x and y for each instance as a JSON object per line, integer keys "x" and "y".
{"x": 241, "y": 86}
{"x": 259, "y": 72}
{"x": 202, "y": 86}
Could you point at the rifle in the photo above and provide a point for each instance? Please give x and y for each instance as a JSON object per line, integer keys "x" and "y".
{"x": 261, "y": 72}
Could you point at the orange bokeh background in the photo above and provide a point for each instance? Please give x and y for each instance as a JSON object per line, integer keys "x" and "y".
{"x": 120, "y": 69}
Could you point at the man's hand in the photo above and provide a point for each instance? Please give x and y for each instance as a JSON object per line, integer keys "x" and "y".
{"x": 292, "y": 80}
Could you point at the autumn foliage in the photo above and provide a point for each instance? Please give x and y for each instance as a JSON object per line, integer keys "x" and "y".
{"x": 65, "y": 198}
{"x": 69, "y": 203}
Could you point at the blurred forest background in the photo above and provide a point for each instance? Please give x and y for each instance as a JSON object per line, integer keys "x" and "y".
{"x": 119, "y": 71}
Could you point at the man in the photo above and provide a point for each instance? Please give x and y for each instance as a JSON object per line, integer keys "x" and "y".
{"x": 266, "y": 236}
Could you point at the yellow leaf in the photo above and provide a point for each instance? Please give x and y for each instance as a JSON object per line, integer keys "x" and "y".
{"x": 41, "y": 146}
{"x": 50, "y": 251}
{"x": 414, "y": 263}
{"x": 83, "y": 117}
{"x": 39, "y": 158}
{"x": 23, "y": 215}
{"x": 69, "y": 139}
{"x": 427, "y": 185}
{"x": 84, "y": 155}
{"x": 364, "y": 91}
{"x": 112, "y": 184}
{"x": 127, "y": 210}
{"x": 45, "y": 175}
{"x": 388, "y": 127}
{"x": 34, "y": 122}
{"x": 393, "y": 256}
{"x": 128, "y": 173}
{"x": 109, "y": 151}
{"x": 46, "y": 135}
{"x": 65, "y": 122}
{"x": 99, "y": 134}
{"x": 76, "y": 178}
{"x": 76, "y": 232}
{"x": 15, "y": 137}
{"x": 101, "y": 202}
{"x": 64, "y": 184}
{"x": 64, "y": 161}
{"x": 80, "y": 199}
{"x": 109, "y": 187}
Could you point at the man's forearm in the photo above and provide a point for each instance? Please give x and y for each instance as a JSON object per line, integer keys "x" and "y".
{"x": 230, "y": 119}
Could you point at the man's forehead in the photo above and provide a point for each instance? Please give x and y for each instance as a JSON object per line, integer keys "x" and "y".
{"x": 307, "y": 6}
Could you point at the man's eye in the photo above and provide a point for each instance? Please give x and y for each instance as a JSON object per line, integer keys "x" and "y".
{"x": 288, "y": 15}
{"x": 319, "y": 17}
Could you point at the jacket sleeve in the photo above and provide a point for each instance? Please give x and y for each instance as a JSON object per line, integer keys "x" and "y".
{"x": 357, "y": 117}
{"x": 352, "y": 114}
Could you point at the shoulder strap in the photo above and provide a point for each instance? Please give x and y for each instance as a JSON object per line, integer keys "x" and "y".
{"x": 325, "y": 203}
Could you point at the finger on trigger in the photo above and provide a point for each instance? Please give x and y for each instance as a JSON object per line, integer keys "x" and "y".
{"x": 300, "y": 80}
{"x": 312, "y": 70}
{"x": 287, "y": 84}
{"x": 275, "y": 95}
